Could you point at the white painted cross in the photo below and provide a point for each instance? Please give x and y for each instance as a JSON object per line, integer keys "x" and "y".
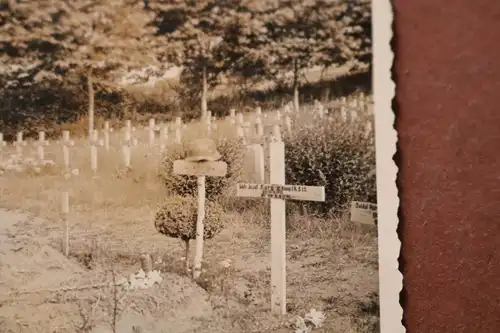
{"x": 232, "y": 116}
{"x": 152, "y": 128}
{"x": 106, "y": 131}
{"x": 127, "y": 146}
{"x": 178, "y": 130}
{"x": 66, "y": 142}
{"x": 19, "y": 143}
{"x": 258, "y": 111}
{"x": 163, "y": 137}
{"x": 259, "y": 128}
{"x": 40, "y": 144}
{"x": 2, "y": 142}
{"x": 278, "y": 192}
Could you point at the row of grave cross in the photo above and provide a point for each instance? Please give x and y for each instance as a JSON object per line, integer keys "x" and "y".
{"x": 242, "y": 131}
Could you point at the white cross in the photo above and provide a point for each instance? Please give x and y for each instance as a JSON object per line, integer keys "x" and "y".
{"x": 41, "y": 143}
{"x": 278, "y": 192}
{"x": 66, "y": 142}
{"x": 106, "y": 131}
{"x": 19, "y": 143}
{"x": 2, "y": 142}
{"x": 178, "y": 128}
{"x": 152, "y": 128}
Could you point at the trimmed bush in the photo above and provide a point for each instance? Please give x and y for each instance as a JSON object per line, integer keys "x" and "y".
{"x": 337, "y": 156}
{"x": 232, "y": 152}
{"x": 177, "y": 217}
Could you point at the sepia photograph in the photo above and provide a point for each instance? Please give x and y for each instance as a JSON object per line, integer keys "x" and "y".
{"x": 188, "y": 166}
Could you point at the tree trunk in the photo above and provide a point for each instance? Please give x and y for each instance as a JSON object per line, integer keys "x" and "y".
{"x": 204, "y": 93}
{"x": 296, "y": 73}
{"x": 91, "y": 105}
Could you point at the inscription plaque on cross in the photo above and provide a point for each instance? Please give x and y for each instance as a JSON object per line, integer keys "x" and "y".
{"x": 278, "y": 193}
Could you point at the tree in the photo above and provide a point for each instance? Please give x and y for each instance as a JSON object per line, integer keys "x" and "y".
{"x": 192, "y": 32}
{"x": 92, "y": 38}
{"x": 357, "y": 29}
{"x": 287, "y": 37}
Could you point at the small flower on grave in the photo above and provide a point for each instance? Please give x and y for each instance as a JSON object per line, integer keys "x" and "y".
{"x": 75, "y": 172}
{"x": 226, "y": 263}
{"x": 315, "y": 317}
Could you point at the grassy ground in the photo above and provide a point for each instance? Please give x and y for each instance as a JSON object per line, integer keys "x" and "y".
{"x": 331, "y": 263}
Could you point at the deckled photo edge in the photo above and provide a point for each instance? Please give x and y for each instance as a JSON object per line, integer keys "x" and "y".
{"x": 390, "y": 278}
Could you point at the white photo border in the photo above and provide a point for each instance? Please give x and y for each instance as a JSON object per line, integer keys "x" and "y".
{"x": 389, "y": 244}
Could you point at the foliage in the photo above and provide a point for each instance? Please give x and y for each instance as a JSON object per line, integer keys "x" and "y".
{"x": 85, "y": 35}
{"x": 232, "y": 152}
{"x": 357, "y": 31}
{"x": 192, "y": 31}
{"x": 339, "y": 157}
{"x": 177, "y": 218}
{"x": 288, "y": 36}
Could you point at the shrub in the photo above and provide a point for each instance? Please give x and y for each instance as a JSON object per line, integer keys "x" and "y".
{"x": 337, "y": 156}
{"x": 232, "y": 152}
{"x": 177, "y": 218}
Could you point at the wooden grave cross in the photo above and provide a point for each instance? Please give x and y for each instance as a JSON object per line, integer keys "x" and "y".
{"x": 66, "y": 142}
{"x": 2, "y": 142}
{"x": 127, "y": 146}
{"x": 202, "y": 161}
{"x": 19, "y": 143}
{"x": 178, "y": 126}
{"x": 40, "y": 144}
{"x": 152, "y": 129}
{"x": 278, "y": 193}
{"x": 106, "y": 131}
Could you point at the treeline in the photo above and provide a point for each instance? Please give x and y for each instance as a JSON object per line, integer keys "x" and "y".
{"x": 52, "y": 49}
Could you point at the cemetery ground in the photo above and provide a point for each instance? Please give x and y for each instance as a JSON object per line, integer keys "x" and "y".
{"x": 332, "y": 264}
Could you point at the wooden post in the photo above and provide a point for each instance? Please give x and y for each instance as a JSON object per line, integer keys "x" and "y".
{"x": 2, "y": 142}
{"x": 66, "y": 142}
{"x": 19, "y": 143}
{"x": 240, "y": 134}
{"x": 259, "y": 129}
{"x": 178, "y": 129}
{"x": 278, "y": 115}
{"x": 278, "y": 229}
{"x": 278, "y": 192}
{"x": 106, "y": 132}
{"x": 200, "y": 227}
{"x": 258, "y": 111}
{"x": 239, "y": 119}
{"x": 126, "y": 147}
{"x": 151, "y": 132}
{"x": 232, "y": 116}
{"x": 64, "y": 217}
{"x": 41, "y": 143}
